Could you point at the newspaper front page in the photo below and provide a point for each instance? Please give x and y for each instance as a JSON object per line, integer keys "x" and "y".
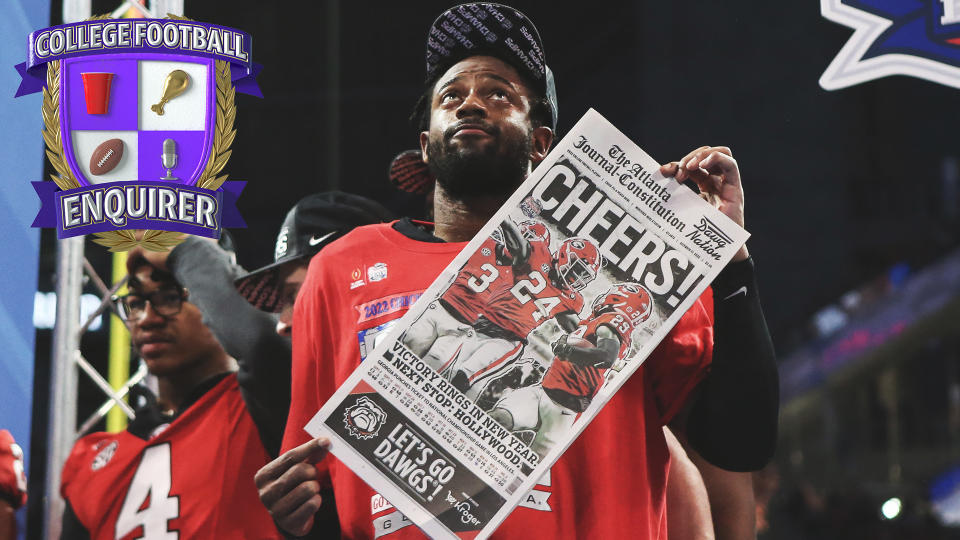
{"x": 594, "y": 243}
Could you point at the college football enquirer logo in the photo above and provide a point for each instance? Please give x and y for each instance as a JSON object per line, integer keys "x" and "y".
{"x": 920, "y": 38}
{"x": 364, "y": 418}
{"x": 138, "y": 121}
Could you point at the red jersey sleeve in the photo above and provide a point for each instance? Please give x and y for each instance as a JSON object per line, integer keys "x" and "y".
{"x": 311, "y": 376}
{"x": 74, "y": 475}
{"x": 681, "y": 360}
{"x": 13, "y": 483}
{"x": 70, "y": 467}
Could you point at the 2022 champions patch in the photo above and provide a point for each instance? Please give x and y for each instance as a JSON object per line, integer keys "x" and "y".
{"x": 919, "y": 38}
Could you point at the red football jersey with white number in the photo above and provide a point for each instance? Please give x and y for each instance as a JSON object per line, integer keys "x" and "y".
{"x": 193, "y": 479}
{"x": 610, "y": 483}
{"x": 479, "y": 281}
{"x": 533, "y": 299}
{"x": 584, "y": 381}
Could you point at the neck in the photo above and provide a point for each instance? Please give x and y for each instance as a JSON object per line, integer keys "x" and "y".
{"x": 175, "y": 388}
{"x": 459, "y": 221}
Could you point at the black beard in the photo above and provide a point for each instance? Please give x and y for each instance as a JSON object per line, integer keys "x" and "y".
{"x": 468, "y": 174}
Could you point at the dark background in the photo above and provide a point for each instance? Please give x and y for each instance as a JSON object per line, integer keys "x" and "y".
{"x": 840, "y": 186}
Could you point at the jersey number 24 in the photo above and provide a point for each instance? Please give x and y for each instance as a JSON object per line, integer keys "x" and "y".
{"x": 534, "y": 285}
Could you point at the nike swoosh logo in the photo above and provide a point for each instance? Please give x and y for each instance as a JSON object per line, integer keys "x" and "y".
{"x": 314, "y": 240}
{"x": 738, "y": 291}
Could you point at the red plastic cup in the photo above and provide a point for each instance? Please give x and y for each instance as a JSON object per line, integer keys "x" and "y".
{"x": 96, "y": 88}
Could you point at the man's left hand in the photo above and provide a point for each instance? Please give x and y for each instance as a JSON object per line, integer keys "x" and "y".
{"x": 716, "y": 173}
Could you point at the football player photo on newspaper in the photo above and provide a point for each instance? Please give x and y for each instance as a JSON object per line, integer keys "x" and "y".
{"x": 535, "y": 322}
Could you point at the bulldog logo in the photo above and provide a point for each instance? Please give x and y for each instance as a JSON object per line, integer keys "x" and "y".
{"x": 364, "y": 418}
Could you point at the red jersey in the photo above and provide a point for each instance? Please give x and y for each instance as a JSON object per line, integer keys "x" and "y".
{"x": 533, "y": 299}
{"x": 13, "y": 482}
{"x": 580, "y": 381}
{"x": 592, "y": 491}
{"x": 479, "y": 281}
{"x": 194, "y": 478}
{"x": 337, "y": 312}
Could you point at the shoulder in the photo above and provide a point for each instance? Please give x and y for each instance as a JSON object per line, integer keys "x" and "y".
{"x": 540, "y": 256}
{"x": 356, "y": 239}
{"x": 87, "y": 453}
{"x": 577, "y": 303}
{"x": 541, "y": 246}
{"x": 596, "y": 321}
{"x": 230, "y": 383}
{"x": 616, "y": 327}
{"x": 349, "y": 248}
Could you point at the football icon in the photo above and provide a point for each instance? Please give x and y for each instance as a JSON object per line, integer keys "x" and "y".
{"x": 577, "y": 341}
{"x": 106, "y": 157}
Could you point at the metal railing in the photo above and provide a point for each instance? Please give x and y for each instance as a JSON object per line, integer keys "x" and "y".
{"x": 71, "y": 266}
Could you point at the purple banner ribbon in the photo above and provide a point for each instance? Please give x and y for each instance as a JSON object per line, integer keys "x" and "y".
{"x": 110, "y": 36}
{"x": 138, "y": 205}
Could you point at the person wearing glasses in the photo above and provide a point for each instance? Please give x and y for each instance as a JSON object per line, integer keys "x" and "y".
{"x": 184, "y": 467}
{"x": 182, "y": 306}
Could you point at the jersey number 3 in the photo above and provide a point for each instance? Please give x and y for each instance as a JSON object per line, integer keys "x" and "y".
{"x": 148, "y": 503}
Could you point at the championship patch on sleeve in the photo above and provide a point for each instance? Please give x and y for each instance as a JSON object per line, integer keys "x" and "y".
{"x": 386, "y": 305}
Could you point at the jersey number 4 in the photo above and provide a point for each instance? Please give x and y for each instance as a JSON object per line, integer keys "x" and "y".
{"x": 148, "y": 503}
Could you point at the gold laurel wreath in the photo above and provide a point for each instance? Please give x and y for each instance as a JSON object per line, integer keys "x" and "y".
{"x": 125, "y": 240}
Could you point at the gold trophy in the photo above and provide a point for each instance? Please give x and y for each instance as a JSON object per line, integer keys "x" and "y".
{"x": 174, "y": 85}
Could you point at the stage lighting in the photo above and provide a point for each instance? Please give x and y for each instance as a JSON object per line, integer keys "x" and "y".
{"x": 891, "y": 508}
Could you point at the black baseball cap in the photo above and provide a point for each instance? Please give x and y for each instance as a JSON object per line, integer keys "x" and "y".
{"x": 483, "y": 28}
{"x": 315, "y": 221}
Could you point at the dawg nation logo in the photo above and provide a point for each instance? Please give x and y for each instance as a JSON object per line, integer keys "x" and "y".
{"x": 920, "y": 38}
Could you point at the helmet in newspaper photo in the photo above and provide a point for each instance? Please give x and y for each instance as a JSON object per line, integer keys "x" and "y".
{"x": 631, "y": 300}
{"x": 578, "y": 262}
{"x": 534, "y": 230}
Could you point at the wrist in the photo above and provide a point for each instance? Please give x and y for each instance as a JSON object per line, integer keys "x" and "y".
{"x": 741, "y": 255}
{"x": 733, "y": 276}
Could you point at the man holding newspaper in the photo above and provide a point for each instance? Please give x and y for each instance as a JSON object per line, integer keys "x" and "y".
{"x": 487, "y": 119}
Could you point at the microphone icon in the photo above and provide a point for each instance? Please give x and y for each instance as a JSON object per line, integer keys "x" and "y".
{"x": 169, "y": 158}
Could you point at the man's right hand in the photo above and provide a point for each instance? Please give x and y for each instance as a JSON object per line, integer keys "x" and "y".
{"x": 289, "y": 488}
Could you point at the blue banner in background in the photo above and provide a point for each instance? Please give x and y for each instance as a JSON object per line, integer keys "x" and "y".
{"x": 21, "y": 156}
